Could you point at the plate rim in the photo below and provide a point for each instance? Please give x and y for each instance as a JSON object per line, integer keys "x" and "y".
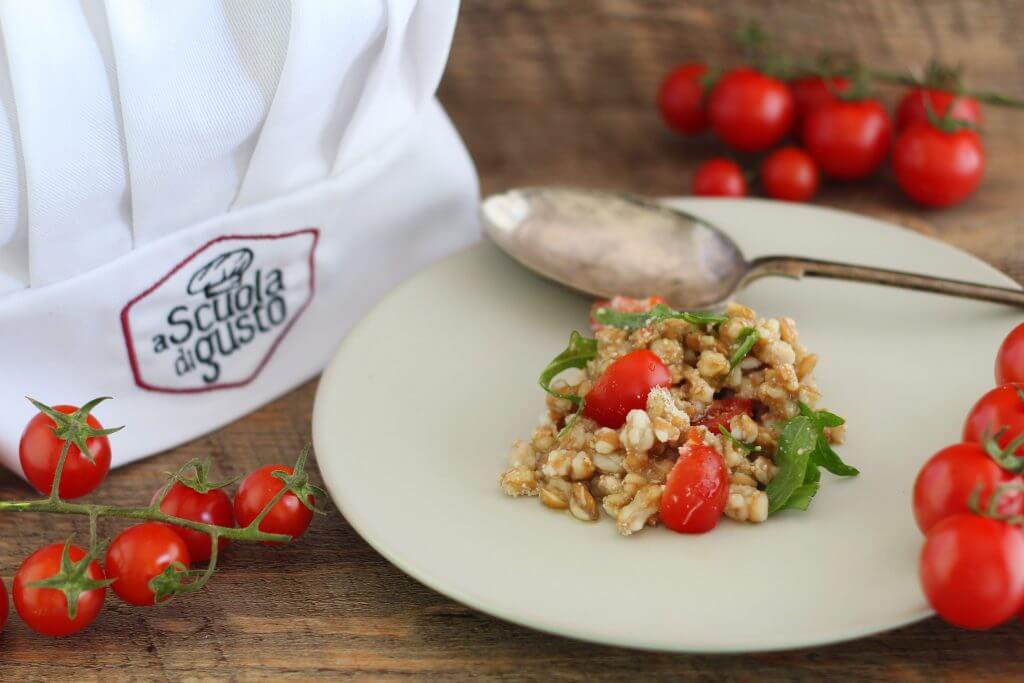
{"x": 481, "y": 603}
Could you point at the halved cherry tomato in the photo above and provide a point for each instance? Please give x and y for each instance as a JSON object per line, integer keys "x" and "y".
{"x": 39, "y": 451}
{"x": 1000, "y": 410}
{"x": 623, "y": 304}
{"x": 1010, "y": 358}
{"x": 45, "y": 610}
{"x": 848, "y": 139}
{"x": 681, "y": 99}
{"x": 749, "y": 110}
{"x": 950, "y": 477}
{"x": 696, "y": 489}
{"x": 912, "y": 109}
{"x": 212, "y": 507}
{"x": 623, "y": 387}
{"x": 719, "y": 177}
{"x": 972, "y": 570}
{"x": 722, "y": 411}
{"x": 138, "y": 554}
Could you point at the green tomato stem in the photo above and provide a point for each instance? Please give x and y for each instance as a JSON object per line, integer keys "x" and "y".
{"x": 62, "y": 507}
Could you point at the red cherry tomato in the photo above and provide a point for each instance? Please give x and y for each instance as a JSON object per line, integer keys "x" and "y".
{"x": 1010, "y": 358}
{"x": 288, "y": 516}
{"x": 811, "y": 92}
{"x": 696, "y": 489}
{"x": 722, "y": 411}
{"x": 912, "y": 109}
{"x": 950, "y": 477}
{"x": 790, "y": 174}
{"x": 45, "y": 610}
{"x": 1002, "y": 407}
{"x": 623, "y": 387}
{"x": 972, "y": 570}
{"x": 750, "y": 111}
{"x": 937, "y": 168}
{"x": 849, "y": 140}
{"x": 719, "y": 178}
{"x": 138, "y": 554}
{"x": 681, "y": 99}
{"x": 39, "y": 451}
{"x": 212, "y": 507}
{"x": 623, "y": 304}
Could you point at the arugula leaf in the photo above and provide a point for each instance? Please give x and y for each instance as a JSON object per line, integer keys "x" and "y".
{"x": 801, "y": 497}
{"x": 746, "y": 340}
{"x": 576, "y": 355}
{"x": 634, "y": 321}
{"x": 742, "y": 445}
{"x": 824, "y": 455}
{"x": 796, "y": 443}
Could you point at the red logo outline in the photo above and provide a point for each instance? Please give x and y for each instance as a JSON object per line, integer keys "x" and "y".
{"x": 126, "y": 325}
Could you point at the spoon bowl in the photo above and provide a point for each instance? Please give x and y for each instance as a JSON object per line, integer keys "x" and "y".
{"x": 605, "y": 244}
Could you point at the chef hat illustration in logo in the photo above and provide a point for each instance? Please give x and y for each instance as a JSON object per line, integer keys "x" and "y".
{"x": 222, "y": 274}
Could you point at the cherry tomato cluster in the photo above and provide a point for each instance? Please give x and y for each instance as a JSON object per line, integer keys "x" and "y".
{"x": 969, "y": 503}
{"x": 834, "y": 128}
{"x": 60, "y": 588}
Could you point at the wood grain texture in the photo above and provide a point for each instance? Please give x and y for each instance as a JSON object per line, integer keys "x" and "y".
{"x": 544, "y": 91}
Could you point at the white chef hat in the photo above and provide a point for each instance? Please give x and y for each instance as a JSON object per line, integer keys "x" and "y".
{"x": 198, "y": 198}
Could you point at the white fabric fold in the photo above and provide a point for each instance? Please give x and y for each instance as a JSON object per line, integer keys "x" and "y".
{"x": 196, "y": 79}
{"x": 312, "y": 106}
{"x": 13, "y": 210}
{"x": 69, "y": 123}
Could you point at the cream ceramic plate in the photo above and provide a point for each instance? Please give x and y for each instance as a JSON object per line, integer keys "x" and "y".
{"x": 416, "y": 413}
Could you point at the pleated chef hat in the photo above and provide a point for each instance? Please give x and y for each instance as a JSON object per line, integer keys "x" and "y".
{"x": 199, "y": 197}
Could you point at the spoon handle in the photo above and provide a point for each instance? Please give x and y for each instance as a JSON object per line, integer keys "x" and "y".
{"x": 795, "y": 267}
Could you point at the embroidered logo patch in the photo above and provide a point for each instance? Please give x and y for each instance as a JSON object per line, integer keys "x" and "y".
{"x": 214, "y": 320}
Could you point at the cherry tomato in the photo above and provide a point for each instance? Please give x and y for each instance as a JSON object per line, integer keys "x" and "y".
{"x": 937, "y": 168}
{"x": 696, "y": 489}
{"x": 811, "y": 92}
{"x": 1002, "y": 407}
{"x": 623, "y": 387}
{"x": 212, "y": 507}
{"x": 750, "y": 111}
{"x": 719, "y": 178}
{"x": 39, "y": 451}
{"x": 1010, "y": 358}
{"x": 972, "y": 570}
{"x": 623, "y": 304}
{"x": 791, "y": 174}
{"x": 138, "y": 554}
{"x": 912, "y": 109}
{"x": 848, "y": 139}
{"x": 722, "y": 411}
{"x": 45, "y": 610}
{"x": 949, "y": 478}
{"x": 288, "y": 516}
{"x": 681, "y": 99}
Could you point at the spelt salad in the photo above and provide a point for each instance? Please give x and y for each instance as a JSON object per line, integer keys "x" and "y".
{"x": 678, "y": 418}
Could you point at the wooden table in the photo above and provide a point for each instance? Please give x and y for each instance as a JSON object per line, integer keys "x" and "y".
{"x": 545, "y": 91}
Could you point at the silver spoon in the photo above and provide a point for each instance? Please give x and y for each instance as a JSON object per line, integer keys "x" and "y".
{"x": 605, "y": 243}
